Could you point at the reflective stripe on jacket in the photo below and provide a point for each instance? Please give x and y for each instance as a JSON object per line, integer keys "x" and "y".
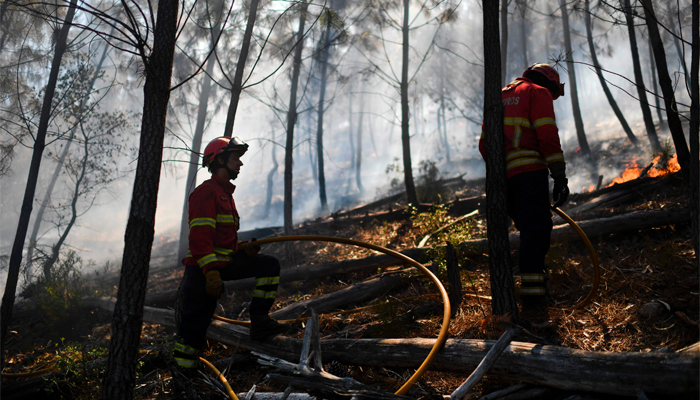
{"x": 529, "y": 126}
{"x": 214, "y": 224}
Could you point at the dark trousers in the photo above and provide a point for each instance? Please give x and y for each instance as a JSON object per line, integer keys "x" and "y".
{"x": 198, "y": 307}
{"x": 529, "y": 208}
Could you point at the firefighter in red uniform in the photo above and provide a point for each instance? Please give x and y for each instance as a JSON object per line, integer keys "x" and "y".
{"x": 214, "y": 256}
{"x": 532, "y": 148}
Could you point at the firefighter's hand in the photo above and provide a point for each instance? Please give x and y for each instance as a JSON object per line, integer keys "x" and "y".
{"x": 214, "y": 285}
{"x": 560, "y": 192}
{"x": 252, "y": 248}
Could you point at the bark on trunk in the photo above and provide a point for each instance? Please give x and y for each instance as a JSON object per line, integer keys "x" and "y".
{"x": 291, "y": 122}
{"x": 8, "y": 298}
{"x": 319, "y": 127}
{"x": 695, "y": 130}
{"x": 657, "y": 101}
{"x": 639, "y": 80}
{"x": 120, "y": 374}
{"x": 675, "y": 374}
{"x": 237, "y": 86}
{"x": 603, "y": 84}
{"x": 191, "y": 182}
{"x": 573, "y": 91}
{"x": 405, "y": 115}
{"x": 504, "y": 41}
{"x": 502, "y": 286}
{"x": 674, "y": 121}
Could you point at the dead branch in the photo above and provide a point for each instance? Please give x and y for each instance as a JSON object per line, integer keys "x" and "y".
{"x": 674, "y": 374}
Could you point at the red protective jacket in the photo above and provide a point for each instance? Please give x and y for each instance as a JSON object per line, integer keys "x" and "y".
{"x": 529, "y": 126}
{"x": 214, "y": 224}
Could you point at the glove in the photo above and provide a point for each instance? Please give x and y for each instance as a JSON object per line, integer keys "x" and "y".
{"x": 252, "y": 248}
{"x": 214, "y": 285}
{"x": 560, "y": 192}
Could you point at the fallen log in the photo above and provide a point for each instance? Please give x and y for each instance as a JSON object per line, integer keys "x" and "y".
{"x": 668, "y": 374}
{"x": 352, "y": 294}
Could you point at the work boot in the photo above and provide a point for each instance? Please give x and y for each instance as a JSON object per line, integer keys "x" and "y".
{"x": 262, "y": 327}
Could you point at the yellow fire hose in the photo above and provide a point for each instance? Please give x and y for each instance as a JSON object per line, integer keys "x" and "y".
{"x": 221, "y": 377}
{"x": 442, "y": 336}
{"x": 592, "y": 253}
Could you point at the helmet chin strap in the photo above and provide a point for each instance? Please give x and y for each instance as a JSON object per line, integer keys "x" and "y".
{"x": 232, "y": 175}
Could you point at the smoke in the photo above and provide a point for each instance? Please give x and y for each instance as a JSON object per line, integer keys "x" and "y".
{"x": 453, "y": 66}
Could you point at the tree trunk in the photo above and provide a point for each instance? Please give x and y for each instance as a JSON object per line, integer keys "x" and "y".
{"x": 639, "y": 80}
{"x": 8, "y": 298}
{"x": 502, "y": 286}
{"x": 442, "y": 122}
{"x": 191, "y": 182}
{"x": 270, "y": 176}
{"x": 672, "y": 20}
{"x": 59, "y": 166}
{"x": 237, "y": 86}
{"x": 358, "y": 160}
{"x": 603, "y": 84}
{"x": 657, "y": 101}
{"x": 504, "y": 41}
{"x": 578, "y": 119}
{"x": 119, "y": 377}
{"x": 695, "y": 130}
{"x": 674, "y": 121}
{"x": 291, "y": 122}
{"x": 319, "y": 128}
{"x": 523, "y": 32}
{"x": 405, "y": 115}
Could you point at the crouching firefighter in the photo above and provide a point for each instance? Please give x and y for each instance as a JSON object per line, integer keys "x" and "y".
{"x": 214, "y": 256}
{"x": 532, "y": 147}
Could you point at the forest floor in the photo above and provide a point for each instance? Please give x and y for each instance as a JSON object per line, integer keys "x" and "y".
{"x": 648, "y": 300}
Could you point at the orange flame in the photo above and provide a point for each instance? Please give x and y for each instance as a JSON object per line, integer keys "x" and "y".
{"x": 634, "y": 170}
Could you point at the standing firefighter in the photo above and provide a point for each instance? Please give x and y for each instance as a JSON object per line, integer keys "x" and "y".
{"x": 532, "y": 147}
{"x": 214, "y": 256}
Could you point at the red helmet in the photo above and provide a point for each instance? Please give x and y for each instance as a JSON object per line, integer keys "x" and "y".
{"x": 223, "y": 145}
{"x": 551, "y": 74}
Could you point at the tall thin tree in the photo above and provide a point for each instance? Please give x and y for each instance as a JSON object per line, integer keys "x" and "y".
{"x": 504, "y": 40}
{"x": 405, "y": 114}
{"x": 639, "y": 79}
{"x": 601, "y": 79}
{"x": 291, "y": 122}
{"x": 655, "y": 85}
{"x": 502, "y": 286}
{"x": 127, "y": 320}
{"x": 237, "y": 85}
{"x": 325, "y": 51}
{"x": 8, "y": 298}
{"x": 695, "y": 130}
{"x": 575, "y": 107}
{"x": 674, "y": 121}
